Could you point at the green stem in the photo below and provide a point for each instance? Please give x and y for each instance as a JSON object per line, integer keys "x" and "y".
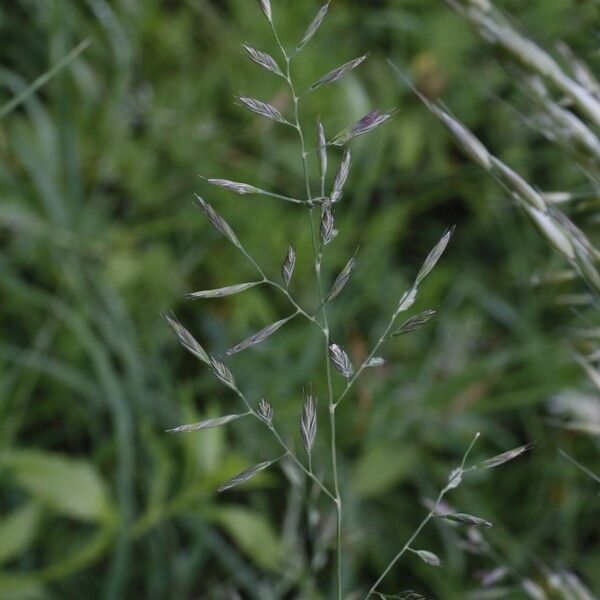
{"x": 449, "y": 486}
{"x": 281, "y": 288}
{"x": 362, "y": 367}
{"x": 43, "y": 79}
{"x": 282, "y": 443}
{"x": 281, "y": 197}
{"x": 406, "y": 546}
{"x": 325, "y": 328}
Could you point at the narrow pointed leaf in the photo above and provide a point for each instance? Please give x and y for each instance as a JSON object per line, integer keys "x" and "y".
{"x": 258, "y": 337}
{"x": 314, "y": 26}
{"x": 244, "y": 476}
{"x": 224, "y": 291}
{"x": 581, "y": 467}
{"x": 496, "y": 461}
{"x": 187, "y": 340}
{"x": 262, "y": 59}
{"x": 434, "y": 256}
{"x": 218, "y": 221}
{"x": 208, "y": 424}
{"x": 339, "y": 72}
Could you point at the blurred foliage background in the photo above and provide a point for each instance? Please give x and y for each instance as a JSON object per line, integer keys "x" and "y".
{"x": 100, "y": 239}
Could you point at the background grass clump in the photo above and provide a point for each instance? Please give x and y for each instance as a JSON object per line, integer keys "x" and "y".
{"x": 97, "y": 170}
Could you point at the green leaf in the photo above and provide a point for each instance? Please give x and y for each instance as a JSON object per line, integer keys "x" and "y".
{"x": 253, "y": 533}
{"x": 42, "y": 79}
{"x": 20, "y": 587}
{"x": 17, "y": 531}
{"x": 69, "y": 486}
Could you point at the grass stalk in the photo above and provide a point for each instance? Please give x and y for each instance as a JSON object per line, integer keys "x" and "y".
{"x": 317, "y": 254}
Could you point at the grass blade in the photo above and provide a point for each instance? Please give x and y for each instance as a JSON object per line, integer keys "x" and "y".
{"x": 43, "y": 79}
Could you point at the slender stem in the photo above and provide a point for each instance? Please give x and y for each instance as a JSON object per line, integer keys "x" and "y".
{"x": 5, "y": 109}
{"x": 362, "y": 367}
{"x": 406, "y": 546}
{"x": 281, "y": 197}
{"x": 325, "y": 328}
{"x": 331, "y": 406}
{"x": 281, "y": 288}
{"x": 464, "y": 460}
{"x": 282, "y": 443}
{"x": 583, "y": 468}
{"x": 298, "y": 462}
{"x": 449, "y": 486}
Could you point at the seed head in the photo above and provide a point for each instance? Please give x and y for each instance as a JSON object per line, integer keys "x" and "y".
{"x": 322, "y": 148}
{"x": 265, "y": 6}
{"x": 327, "y": 222}
{"x": 340, "y": 360}
{"x": 287, "y": 269}
{"x": 265, "y": 411}
{"x": 234, "y": 186}
{"x": 308, "y": 423}
{"x": 365, "y": 125}
{"x": 341, "y": 177}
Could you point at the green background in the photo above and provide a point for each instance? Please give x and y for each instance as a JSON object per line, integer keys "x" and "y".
{"x": 100, "y": 239}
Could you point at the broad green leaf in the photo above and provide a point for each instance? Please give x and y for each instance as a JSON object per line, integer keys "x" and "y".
{"x": 20, "y": 587}
{"x": 253, "y": 533}
{"x": 70, "y": 486}
{"x": 17, "y": 531}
